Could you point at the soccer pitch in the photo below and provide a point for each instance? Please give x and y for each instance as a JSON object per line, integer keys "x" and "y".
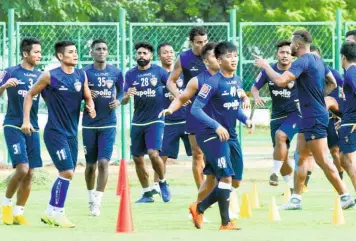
{"x": 169, "y": 221}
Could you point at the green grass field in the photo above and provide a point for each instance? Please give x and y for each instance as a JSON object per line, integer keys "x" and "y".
{"x": 169, "y": 221}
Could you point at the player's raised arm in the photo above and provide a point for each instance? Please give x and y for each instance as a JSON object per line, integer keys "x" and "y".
{"x": 89, "y": 103}
{"x": 183, "y": 98}
{"x": 37, "y": 88}
{"x": 281, "y": 80}
{"x": 173, "y": 77}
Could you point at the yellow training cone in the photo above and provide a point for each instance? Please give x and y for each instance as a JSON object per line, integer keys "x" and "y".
{"x": 286, "y": 194}
{"x": 273, "y": 214}
{"x": 234, "y": 208}
{"x": 255, "y": 201}
{"x": 338, "y": 216}
{"x": 245, "y": 210}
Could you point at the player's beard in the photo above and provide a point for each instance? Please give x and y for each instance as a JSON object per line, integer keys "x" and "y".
{"x": 143, "y": 62}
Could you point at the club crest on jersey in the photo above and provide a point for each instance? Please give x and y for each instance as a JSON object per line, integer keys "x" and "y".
{"x": 204, "y": 91}
{"x": 77, "y": 85}
{"x": 179, "y": 83}
{"x": 109, "y": 83}
{"x": 153, "y": 80}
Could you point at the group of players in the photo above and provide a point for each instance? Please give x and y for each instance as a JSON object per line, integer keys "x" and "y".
{"x": 197, "y": 99}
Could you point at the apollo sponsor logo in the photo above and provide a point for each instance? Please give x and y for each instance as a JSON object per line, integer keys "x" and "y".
{"x": 283, "y": 93}
{"x": 234, "y": 105}
{"x": 23, "y": 93}
{"x": 105, "y": 93}
{"x": 148, "y": 93}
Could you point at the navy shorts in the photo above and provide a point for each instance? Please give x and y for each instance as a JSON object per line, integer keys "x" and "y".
{"x": 147, "y": 137}
{"x": 98, "y": 143}
{"x": 222, "y": 159}
{"x": 347, "y": 139}
{"x": 62, "y": 149}
{"x": 314, "y": 128}
{"x": 333, "y": 137}
{"x": 289, "y": 125}
{"x": 23, "y": 148}
{"x": 173, "y": 132}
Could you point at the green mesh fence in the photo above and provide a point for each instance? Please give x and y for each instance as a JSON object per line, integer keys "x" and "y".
{"x": 2, "y": 45}
{"x": 174, "y": 33}
{"x": 81, "y": 33}
{"x": 261, "y": 38}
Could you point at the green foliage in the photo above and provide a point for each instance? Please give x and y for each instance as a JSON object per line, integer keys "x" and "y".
{"x": 177, "y": 10}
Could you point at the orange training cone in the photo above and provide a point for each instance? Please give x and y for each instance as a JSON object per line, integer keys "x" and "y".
{"x": 338, "y": 216}
{"x": 124, "y": 221}
{"x": 121, "y": 179}
{"x": 273, "y": 214}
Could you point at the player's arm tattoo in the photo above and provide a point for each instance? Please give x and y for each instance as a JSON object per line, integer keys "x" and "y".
{"x": 173, "y": 77}
{"x": 187, "y": 94}
{"x": 330, "y": 83}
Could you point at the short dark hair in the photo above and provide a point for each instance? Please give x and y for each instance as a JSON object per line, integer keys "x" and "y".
{"x": 223, "y": 48}
{"x": 26, "y": 44}
{"x": 98, "y": 41}
{"x": 304, "y": 36}
{"x": 196, "y": 31}
{"x": 314, "y": 48}
{"x": 349, "y": 51}
{"x": 351, "y": 32}
{"x": 282, "y": 43}
{"x": 207, "y": 47}
{"x": 145, "y": 45}
{"x": 60, "y": 46}
{"x": 161, "y": 45}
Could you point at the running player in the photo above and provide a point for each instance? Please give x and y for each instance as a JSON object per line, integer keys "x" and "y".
{"x": 174, "y": 124}
{"x": 145, "y": 82}
{"x": 106, "y": 84}
{"x": 220, "y": 99}
{"x": 24, "y": 150}
{"x": 285, "y": 114}
{"x": 309, "y": 72}
{"x": 64, "y": 87}
{"x": 191, "y": 64}
{"x": 347, "y": 132}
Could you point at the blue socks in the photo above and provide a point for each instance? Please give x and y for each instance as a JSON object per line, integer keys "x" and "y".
{"x": 59, "y": 192}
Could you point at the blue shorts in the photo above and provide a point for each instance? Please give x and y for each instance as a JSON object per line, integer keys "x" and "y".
{"x": 347, "y": 139}
{"x": 333, "y": 138}
{"x": 98, "y": 143}
{"x": 222, "y": 159}
{"x": 314, "y": 128}
{"x": 23, "y": 148}
{"x": 170, "y": 146}
{"x": 62, "y": 149}
{"x": 289, "y": 125}
{"x": 148, "y": 137}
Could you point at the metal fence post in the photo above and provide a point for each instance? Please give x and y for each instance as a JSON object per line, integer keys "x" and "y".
{"x": 338, "y": 39}
{"x": 122, "y": 13}
{"x": 10, "y": 35}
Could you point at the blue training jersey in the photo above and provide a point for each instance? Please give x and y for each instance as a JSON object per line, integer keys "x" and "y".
{"x": 349, "y": 114}
{"x": 310, "y": 72}
{"x": 284, "y": 99}
{"x": 149, "y": 97}
{"x": 64, "y": 95}
{"x": 179, "y": 115}
{"x": 222, "y": 97}
{"x": 335, "y": 92}
{"x": 192, "y": 65}
{"x": 109, "y": 85}
{"x": 16, "y": 95}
